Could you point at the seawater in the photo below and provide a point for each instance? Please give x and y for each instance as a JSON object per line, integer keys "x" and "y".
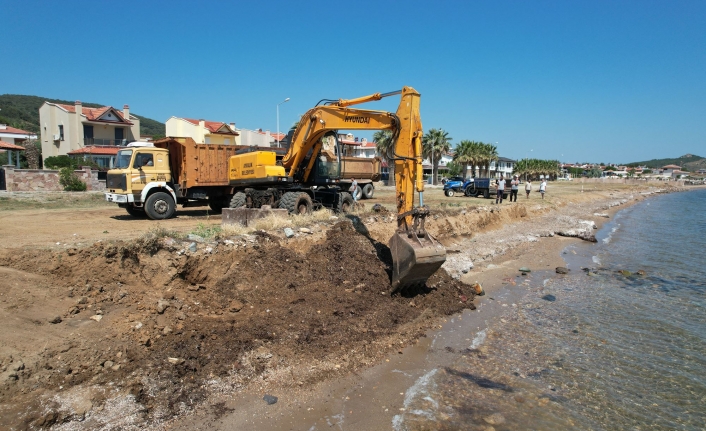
{"x": 617, "y": 344}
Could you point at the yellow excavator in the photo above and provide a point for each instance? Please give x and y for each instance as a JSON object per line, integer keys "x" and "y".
{"x": 307, "y": 176}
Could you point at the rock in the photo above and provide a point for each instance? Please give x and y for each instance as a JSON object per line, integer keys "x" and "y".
{"x": 270, "y": 399}
{"x": 192, "y": 237}
{"x": 641, "y": 272}
{"x": 495, "y": 419}
{"x": 304, "y": 230}
{"x": 235, "y": 306}
{"x": 55, "y": 319}
{"x": 96, "y": 317}
{"x": 115, "y": 367}
{"x": 228, "y": 242}
{"x": 175, "y": 361}
{"x": 162, "y": 305}
{"x": 74, "y": 310}
{"x": 108, "y": 364}
{"x": 550, "y": 298}
{"x": 208, "y": 250}
{"x": 82, "y": 300}
{"x": 138, "y": 325}
{"x": 625, "y": 273}
{"x": 16, "y": 366}
{"x": 562, "y": 270}
{"x": 288, "y": 232}
{"x": 601, "y": 215}
{"x": 525, "y": 269}
{"x": 378, "y": 208}
{"x": 193, "y": 287}
{"x": 167, "y": 330}
{"x": 192, "y": 247}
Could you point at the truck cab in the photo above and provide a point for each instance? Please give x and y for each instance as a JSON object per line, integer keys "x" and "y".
{"x": 140, "y": 171}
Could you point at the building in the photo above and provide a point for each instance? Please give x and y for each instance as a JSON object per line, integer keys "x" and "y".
{"x": 15, "y": 136}
{"x": 203, "y": 131}
{"x": 503, "y": 166}
{"x": 68, "y": 128}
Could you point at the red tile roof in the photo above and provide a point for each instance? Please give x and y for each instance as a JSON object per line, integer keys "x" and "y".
{"x": 9, "y": 129}
{"x": 9, "y": 146}
{"x": 98, "y": 151}
{"x": 212, "y": 126}
{"x": 94, "y": 114}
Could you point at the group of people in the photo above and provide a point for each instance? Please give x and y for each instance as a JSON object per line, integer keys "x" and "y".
{"x": 515, "y": 186}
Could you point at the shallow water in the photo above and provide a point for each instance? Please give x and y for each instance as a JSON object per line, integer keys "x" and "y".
{"x": 593, "y": 350}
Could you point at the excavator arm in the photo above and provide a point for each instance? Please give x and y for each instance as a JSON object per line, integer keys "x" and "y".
{"x": 416, "y": 255}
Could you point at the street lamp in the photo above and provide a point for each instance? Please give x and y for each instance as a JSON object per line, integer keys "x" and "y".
{"x": 284, "y": 101}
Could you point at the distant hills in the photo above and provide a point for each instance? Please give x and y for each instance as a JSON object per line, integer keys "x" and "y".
{"x": 688, "y": 162}
{"x": 22, "y": 112}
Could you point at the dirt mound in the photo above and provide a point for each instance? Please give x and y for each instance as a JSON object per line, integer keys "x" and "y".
{"x": 150, "y": 322}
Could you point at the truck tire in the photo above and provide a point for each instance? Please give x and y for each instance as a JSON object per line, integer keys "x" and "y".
{"x": 471, "y": 192}
{"x": 345, "y": 203}
{"x": 368, "y": 191}
{"x": 135, "y": 212}
{"x": 449, "y": 193}
{"x": 486, "y": 193}
{"x": 296, "y": 202}
{"x": 358, "y": 192}
{"x": 160, "y": 206}
{"x": 238, "y": 200}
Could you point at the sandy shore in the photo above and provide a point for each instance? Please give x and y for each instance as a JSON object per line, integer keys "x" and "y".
{"x": 374, "y": 398}
{"x": 354, "y": 353}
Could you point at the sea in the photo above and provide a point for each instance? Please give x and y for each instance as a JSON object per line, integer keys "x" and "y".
{"x": 618, "y": 343}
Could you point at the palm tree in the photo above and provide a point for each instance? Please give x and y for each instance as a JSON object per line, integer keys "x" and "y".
{"x": 385, "y": 148}
{"x": 463, "y": 155}
{"x": 435, "y": 143}
{"x": 488, "y": 155}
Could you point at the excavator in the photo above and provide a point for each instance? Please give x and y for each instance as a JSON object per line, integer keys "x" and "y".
{"x": 307, "y": 176}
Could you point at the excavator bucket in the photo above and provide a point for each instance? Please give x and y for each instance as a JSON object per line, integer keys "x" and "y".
{"x": 414, "y": 259}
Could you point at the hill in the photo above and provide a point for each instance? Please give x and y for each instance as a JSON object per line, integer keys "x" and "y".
{"x": 688, "y": 162}
{"x": 23, "y": 112}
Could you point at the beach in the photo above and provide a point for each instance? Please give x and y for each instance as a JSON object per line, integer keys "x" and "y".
{"x": 193, "y": 342}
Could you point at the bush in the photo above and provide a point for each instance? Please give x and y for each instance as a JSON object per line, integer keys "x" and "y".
{"x": 58, "y": 162}
{"x": 70, "y": 181}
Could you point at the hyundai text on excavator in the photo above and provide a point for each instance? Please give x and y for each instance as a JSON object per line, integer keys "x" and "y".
{"x": 307, "y": 177}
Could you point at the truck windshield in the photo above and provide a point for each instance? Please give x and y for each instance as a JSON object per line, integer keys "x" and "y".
{"x": 123, "y": 159}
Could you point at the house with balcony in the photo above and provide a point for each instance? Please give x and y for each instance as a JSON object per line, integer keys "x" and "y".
{"x": 71, "y": 129}
{"x": 203, "y": 131}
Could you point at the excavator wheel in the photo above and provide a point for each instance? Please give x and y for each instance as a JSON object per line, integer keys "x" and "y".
{"x": 238, "y": 200}
{"x": 296, "y": 202}
{"x": 345, "y": 203}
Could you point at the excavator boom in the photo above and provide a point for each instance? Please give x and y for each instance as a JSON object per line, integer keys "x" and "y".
{"x": 416, "y": 255}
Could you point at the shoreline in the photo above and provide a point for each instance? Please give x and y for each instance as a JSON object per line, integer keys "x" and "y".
{"x": 383, "y": 388}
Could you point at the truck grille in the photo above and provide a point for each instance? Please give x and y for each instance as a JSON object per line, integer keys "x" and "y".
{"x": 116, "y": 181}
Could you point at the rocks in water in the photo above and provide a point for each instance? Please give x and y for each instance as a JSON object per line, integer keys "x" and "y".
{"x": 562, "y": 270}
{"x": 495, "y": 419}
{"x": 625, "y": 273}
{"x": 54, "y": 319}
{"x": 270, "y": 399}
{"x": 525, "y": 269}
{"x": 288, "y": 232}
{"x": 549, "y": 297}
{"x": 641, "y": 272}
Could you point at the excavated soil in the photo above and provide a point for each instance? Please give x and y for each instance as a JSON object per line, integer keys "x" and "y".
{"x": 144, "y": 331}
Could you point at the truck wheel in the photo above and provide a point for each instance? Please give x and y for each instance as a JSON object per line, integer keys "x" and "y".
{"x": 160, "y": 206}
{"x": 486, "y": 193}
{"x": 238, "y": 200}
{"x": 296, "y": 202}
{"x": 449, "y": 192}
{"x": 345, "y": 203}
{"x": 135, "y": 212}
{"x": 358, "y": 192}
{"x": 471, "y": 192}
{"x": 368, "y": 191}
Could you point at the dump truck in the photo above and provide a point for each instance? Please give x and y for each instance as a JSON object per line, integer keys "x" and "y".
{"x": 150, "y": 179}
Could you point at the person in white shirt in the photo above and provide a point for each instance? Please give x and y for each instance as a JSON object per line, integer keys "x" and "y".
{"x": 353, "y": 189}
{"x": 543, "y": 187}
{"x": 528, "y": 187}
{"x": 501, "y": 189}
{"x": 514, "y": 187}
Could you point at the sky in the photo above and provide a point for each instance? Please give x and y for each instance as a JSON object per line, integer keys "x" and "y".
{"x": 612, "y": 81}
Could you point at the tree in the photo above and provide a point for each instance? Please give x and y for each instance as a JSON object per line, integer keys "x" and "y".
{"x": 70, "y": 181}
{"x": 455, "y": 169}
{"x": 385, "y": 148}
{"x": 435, "y": 143}
{"x": 468, "y": 152}
{"x": 488, "y": 155}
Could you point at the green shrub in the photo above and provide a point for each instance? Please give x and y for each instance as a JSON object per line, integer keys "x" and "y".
{"x": 58, "y": 162}
{"x": 70, "y": 181}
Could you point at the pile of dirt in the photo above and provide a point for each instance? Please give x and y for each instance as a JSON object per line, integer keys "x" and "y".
{"x": 153, "y": 323}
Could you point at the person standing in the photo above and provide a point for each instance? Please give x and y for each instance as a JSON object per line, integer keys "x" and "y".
{"x": 543, "y": 187}
{"x": 514, "y": 187}
{"x": 528, "y": 187}
{"x": 501, "y": 189}
{"x": 353, "y": 189}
